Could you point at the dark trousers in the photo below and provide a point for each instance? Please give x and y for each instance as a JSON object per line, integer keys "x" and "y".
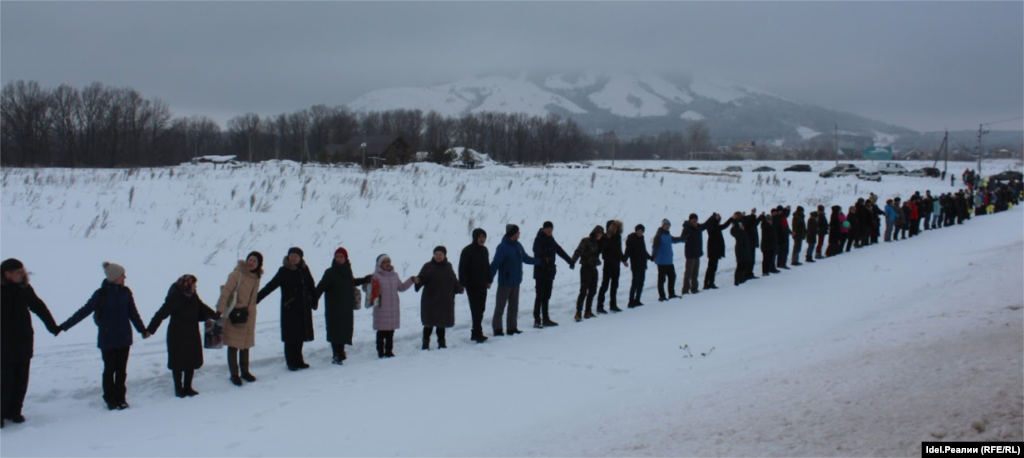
{"x": 797, "y": 246}
{"x": 753, "y": 262}
{"x": 610, "y": 278}
{"x": 849, "y": 240}
{"x": 293, "y": 354}
{"x": 477, "y": 305}
{"x": 810, "y": 249}
{"x": 667, "y": 271}
{"x": 588, "y": 287}
{"x": 540, "y": 305}
{"x": 115, "y": 371}
{"x": 709, "y": 275}
{"x": 690, "y": 274}
{"x": 338, "y": 350}
{"x": 742, "y": 272}
{"x": 182, "y": 380}
{"x": 782, "y": 251}
{"x": 768, "y": 263}
{"x": 13, "y": 386}
{"x": 385, "y": 343}
{"x": 637, "y": 286}
{"x": 821, "y": 243}
{"x": 238, "y": 358}
{"x": 427, "y": 330}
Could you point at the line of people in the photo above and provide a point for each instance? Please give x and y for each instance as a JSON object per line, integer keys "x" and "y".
{"x": 115, "y": 313}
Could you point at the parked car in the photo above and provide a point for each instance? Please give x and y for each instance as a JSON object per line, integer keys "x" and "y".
{"x": 931, "y": 171}
{"x": 870, "y": 176}
{"x": 1008, "y": 175}
{"x": 764, "y": 168}
{"x": 841, "y": 170}
{"x": 733, "y": 168}
{"x": 797, "y": 168}
{"x": 919, "y": 173}
{"x": 691, "y": 168}
{"x": 891, "y": 168}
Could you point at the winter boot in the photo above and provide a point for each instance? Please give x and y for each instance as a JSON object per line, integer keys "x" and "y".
{"x": 186, "y": 384}
{"x": 548, "y": 323}
{"x": 441, "y": 343}
{"x": 600, "y": 309}
{"x": 178, "y": 390}
{"x": 588, "y": 315}
{"x": 537, "y": 324}
{"x": 243, "y": 361}
{"x": 615, "y": 308}
{"x": 578, "y": 318}
{"x": 380, "y": 344}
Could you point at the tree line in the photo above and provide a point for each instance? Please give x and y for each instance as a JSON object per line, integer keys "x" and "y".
{"x": 105, "y": 126}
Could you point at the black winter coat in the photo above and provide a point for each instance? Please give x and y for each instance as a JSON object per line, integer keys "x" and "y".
{"x": 611, "y": 249}
{"x": 716, "y": 243}
{"x": 475, "y": 267}
{"x": 812, "y": 229}
{"x": 17, "y": 338}
{"x": 835, "y": 228}
{"x": 184, "y": 343}
{"x": 768, "y": 236}
{"x": 636, "y": 252}
{"x": 750, "y": 223}
{"x": 437, "y": 305}
{"x": 545, "y": 248}
{"x": 338, "y": 288}
{"x": 799, "y": 227}
{"x": 694, "y": 239}
{"x": 743, "y": 253}
{"x": 298, "y": 291}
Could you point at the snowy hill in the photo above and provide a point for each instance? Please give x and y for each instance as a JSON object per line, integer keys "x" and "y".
{"x": 635, "y": 104}
{"x": 865, "y": 354}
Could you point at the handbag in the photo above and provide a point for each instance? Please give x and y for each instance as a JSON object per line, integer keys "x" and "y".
{"x": 358, "y": 304}
{"x": 239, "y": 316}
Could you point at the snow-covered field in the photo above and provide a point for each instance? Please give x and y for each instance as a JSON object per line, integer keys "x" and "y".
{"x": 866, "y": 354}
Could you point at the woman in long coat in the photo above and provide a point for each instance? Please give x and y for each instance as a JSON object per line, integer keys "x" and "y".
{"x": 184, "y": 344}
{"x": 338, "y": 288}
{"x": 387, "y": 315}
{"x": 239, "y": 292}
{"x": 744, "y": 255}
{"x": 437, "y": 305}
{"x": 298, "y": 294}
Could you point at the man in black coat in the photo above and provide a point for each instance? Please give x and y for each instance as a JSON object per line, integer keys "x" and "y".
{"x": 17, "y": 339}
{"x": 545, "y": 248}
{"x": 768, "y": 244}
{"x": 298, "y": 300}
{"x": 744, "y": 260}
{"x": 750, "y": 223}
{"x": 636, "y": 252}
{"x": 694, "y": 239}
{"x": 716, "y": 247}
{"x": 611, "y": 252}
{"x": 475, "y": 276}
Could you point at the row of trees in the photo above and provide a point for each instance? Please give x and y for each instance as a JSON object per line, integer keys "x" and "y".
{"x": 103, "y": 126}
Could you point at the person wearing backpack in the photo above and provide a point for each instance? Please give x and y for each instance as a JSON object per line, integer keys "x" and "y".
{"x": 17, "y": 339}
{"x": 338, "y": 287}
{"x": 113, "y": 309}
{"x": 184, "y": 343}
{"x": 237, "y": 304}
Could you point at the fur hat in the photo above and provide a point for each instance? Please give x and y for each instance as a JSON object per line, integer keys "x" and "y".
{"x": 693, "y": 216}
{"x": 442, "y": 249}
{"x": 296, "y": 250}
{"x": 639, "y": 227}
{"x": 112, "y": 271}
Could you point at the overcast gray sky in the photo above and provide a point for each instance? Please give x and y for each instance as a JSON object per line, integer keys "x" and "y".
{"x": 922, "y": 65}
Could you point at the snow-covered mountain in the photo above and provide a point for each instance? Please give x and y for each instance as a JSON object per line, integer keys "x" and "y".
{"x": 635, "y": 104}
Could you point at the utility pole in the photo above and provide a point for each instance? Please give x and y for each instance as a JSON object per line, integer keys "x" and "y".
{"x": 980, "y": 151}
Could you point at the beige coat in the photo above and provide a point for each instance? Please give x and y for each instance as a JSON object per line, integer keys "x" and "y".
{"x": 247, "y": 284}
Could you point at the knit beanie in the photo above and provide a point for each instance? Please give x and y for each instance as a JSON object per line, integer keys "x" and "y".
{"x": 381, "y": 258}
{"x": 666, "y": 222}
{"x": 342, "y": 251}
{"x": 511, "y": 229}
{"x": 11, "y": 265}
{"x": 442, "y": 249}
{"x": 296, "y": 250}
{"x": 549, "y": 225}
{"x": 639, "y": 227}
{"x": 113, "y": 271}
{"x": 693, "y": 216}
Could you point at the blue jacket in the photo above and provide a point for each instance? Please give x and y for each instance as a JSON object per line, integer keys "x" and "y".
{"x": 663, "y": 255}
{"x": 508, "y": 259}
{"x": 117, "y": 314}
{"x": 890, "y": 213}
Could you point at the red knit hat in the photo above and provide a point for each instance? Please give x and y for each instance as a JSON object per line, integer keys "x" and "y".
{"x": 342, "y": 251}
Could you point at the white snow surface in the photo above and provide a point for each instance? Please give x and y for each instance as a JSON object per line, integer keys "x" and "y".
{"x": 725, "y": 93}
{"x": 691, "y": 115}
{"x": 806, "y": 132}
{"x": 624, "y": 96}
{"x": 666, "y": 89}
{"x": 865, "y": 354}
{"x": 883, "y": 139}
{"x": 566, "y": 82}
{"x": 493, "y": 93}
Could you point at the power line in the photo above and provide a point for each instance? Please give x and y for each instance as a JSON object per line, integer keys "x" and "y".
{"x": 1000, "y": 122}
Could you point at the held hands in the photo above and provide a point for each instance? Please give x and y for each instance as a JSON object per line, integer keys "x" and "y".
{"x": 416, "y": 280}
{"x": 488, "y": 286}
{"x": 146, "y": 335}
